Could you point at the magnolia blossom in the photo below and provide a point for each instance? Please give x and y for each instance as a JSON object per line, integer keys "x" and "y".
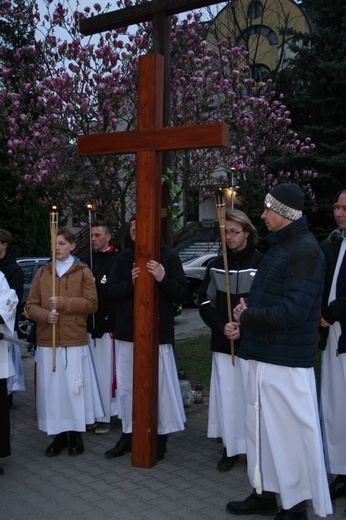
{"x": 82, "y": 85}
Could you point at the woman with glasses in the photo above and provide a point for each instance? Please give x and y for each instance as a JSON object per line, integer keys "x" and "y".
{"x": 226, "y": 418}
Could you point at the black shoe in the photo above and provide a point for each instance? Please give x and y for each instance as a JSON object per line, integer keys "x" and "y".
{"x": 122, "y": 446}
{"x": 338, "y": 487}
{"x": 10, "y": 402}
{"x": 161, "y": 447}
{"x": 60, "y": 442}
{"x": 1, "y": 471}
{"x": 254, "y": 505}
{"x": 288, "y": 514}
{"x": 226, "y": 463}
{"x": 76, "y": 446}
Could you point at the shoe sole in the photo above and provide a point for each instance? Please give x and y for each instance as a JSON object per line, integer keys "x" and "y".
{"x": 224, "y": 469}
{"x": 254, "y": 512}
{"x": 74, "y": 453}
{"x": 116, "y": 456}
{"x": 269, "y": 512}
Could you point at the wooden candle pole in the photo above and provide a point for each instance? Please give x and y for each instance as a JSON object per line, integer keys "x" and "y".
{"x": 91, "y": 213}
{"x": 53, "y": 219}
{"x": 221, "y": 215}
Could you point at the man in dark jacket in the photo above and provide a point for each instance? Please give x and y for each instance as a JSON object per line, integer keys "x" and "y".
{"x": 15, "y": 278}
{"x": 173, "y": 287}
{"x": 226, "y": 417}
{"x": 333, "y": 344}
{"x": 278, "y": 338}
{"x": 101, "y": 324}
{"x": 8, "y": 265}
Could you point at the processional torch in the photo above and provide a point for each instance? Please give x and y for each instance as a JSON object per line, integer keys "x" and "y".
{"x": 54, "y": 221}
{"x": 91, "y": 213}
{"x": 221, "y": 215}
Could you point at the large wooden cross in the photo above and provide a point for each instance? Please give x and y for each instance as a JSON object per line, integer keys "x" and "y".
{"x": 159, "y": 13}
{"x": 148, "y": 142}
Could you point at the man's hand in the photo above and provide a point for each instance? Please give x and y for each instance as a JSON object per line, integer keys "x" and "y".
{"x": 135, "y": 273}
{"x": 231, "y": 330}
{"x": 239, "y": 309}
{"x": 323, "y": 322}
{"x": 156, "y": 269}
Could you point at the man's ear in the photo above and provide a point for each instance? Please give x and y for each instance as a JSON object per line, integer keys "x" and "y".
{"x": 73, "y": 246}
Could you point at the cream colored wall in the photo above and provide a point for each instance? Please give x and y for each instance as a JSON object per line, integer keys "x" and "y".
{"x": 277, "y": 14}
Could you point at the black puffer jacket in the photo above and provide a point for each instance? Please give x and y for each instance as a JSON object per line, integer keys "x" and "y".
{"x": 173, "y": 289}
{"x": 213, "y": 298}
{"x": 280, "y": 324}
{"x": 13, "y": 273}
{"x": 336, "y": 310}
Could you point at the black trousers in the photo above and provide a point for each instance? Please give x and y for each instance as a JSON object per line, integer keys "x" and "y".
{"x": 5, "y": 450}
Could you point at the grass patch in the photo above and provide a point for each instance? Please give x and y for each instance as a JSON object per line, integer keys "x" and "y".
{"x": 193, "y": 355}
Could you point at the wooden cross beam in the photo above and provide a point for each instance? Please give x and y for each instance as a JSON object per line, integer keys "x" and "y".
{"x": 139, "y": 13}
{"x": 149, "y": 142}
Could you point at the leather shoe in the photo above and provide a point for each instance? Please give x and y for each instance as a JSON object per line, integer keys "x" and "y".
{"x": 226, "y": 463}
{"x": 1, "y": 471}
{"x": 60, "y": 442}
{"x": 76, "y": 446}
{"x": 254, "y": 504}
{"x": 122, "y": 446}
{"x": 338, "y": 487}
{"x": 288, "y": 514}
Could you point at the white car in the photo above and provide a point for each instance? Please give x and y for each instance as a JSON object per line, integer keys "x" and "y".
{"x": 195, "y": 269}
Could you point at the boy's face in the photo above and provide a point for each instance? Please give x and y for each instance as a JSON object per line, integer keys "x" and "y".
{"x": 99, "y": 238}
{"x": 63, "y": 248}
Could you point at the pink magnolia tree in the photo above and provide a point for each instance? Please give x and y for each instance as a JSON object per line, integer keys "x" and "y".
{"x": 215, "y": 85}
{"x": 66, "y": 86}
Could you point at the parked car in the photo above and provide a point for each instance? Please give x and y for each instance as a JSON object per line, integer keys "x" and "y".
{"x": 29, "y": 267}
{"x": 194, "y": 269}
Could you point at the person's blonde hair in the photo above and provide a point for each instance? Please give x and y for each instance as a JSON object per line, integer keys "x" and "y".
{"x": 241, "y": 218}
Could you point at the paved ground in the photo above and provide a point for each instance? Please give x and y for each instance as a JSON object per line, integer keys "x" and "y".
{"x": 184, "y": 486}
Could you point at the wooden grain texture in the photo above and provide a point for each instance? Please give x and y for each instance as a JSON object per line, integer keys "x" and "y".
{"x": 166, "y": 138}
{"x": 148, "y": 241}
{"x": 139, "y": 13}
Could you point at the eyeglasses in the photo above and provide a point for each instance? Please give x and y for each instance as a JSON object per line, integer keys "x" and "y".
{"x": 233, "y": 233}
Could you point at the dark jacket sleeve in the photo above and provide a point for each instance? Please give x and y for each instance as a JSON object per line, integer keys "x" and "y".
{"x": 303, "y": 279}
{"x": 173, "y": 285}
{"x": 16, "y": 282}
{"x": 120, "y": 286}
{"x": 207, "y": 308}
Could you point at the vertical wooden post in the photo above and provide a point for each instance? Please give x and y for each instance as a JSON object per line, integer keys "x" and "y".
{"x": 148, "y": 237}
